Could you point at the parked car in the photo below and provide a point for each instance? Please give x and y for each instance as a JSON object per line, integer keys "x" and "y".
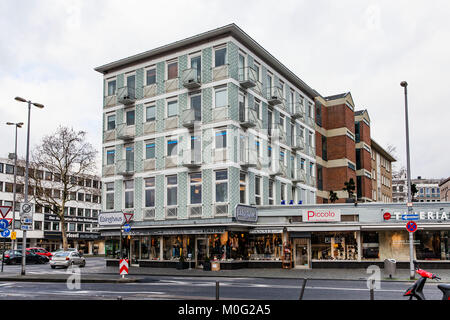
{"x": 15, "y": 257}
{"x": 67, "y": 258}
{"x": 41, "y": 252}
{"x": 62, "y": 250}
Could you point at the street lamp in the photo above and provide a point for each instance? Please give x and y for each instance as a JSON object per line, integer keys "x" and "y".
{"x": 24, "y": 238}
{"x": 404, "y": 84}
{"x": 17, "y": 125}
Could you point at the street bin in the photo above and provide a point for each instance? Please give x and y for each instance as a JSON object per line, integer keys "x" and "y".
{"x": 390, "y": 267}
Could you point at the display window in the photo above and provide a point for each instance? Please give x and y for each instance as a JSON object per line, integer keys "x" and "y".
{"x": 334, "y": 246}
{"x": 265, "y": 247}
{"x": 112, "y": 248}
{"x": 432, "y": 245}
{"x": 370, "y": 245}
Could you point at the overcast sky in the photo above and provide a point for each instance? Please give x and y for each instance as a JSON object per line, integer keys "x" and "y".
{"x": 49, "y": 49}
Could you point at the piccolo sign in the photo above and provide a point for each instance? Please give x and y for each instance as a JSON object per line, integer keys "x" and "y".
{"x": 436, "y": 215}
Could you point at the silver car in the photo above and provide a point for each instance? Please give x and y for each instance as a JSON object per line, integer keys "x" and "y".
{"x": 66, "y": 259}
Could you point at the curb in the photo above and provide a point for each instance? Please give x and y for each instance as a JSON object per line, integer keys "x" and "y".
{"x": 129, "y": 280}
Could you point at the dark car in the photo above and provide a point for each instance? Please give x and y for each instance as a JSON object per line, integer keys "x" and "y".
{"x": 15, "y": 257}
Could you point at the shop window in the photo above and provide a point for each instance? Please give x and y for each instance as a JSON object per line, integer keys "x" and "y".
{"x": 432, "y": 245}
{"x": 334, "y": 246}
{"x": 370, "y": 245}
{"x": 265, "y": 247}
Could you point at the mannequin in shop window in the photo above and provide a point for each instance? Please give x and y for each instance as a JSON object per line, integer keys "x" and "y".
{"x": 278, "y": 245}
{"x": 268, "y": 248}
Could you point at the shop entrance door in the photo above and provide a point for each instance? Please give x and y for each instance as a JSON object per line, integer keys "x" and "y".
{"x": 135, "y": 250}
{"x": 200, "y": 252}
{"x": 301, "y": 253}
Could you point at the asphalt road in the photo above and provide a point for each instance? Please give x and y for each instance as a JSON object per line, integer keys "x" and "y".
{"x": 204, "y": 289}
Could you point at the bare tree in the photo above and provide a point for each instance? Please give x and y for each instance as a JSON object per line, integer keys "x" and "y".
{"x": 70, "y": 159}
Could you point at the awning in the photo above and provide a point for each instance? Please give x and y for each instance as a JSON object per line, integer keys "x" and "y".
{"x": 323, "y": 228}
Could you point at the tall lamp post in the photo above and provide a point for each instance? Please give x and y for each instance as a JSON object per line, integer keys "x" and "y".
{"x": 24, "y": 238}
{"x": 17, "y": 125}
{"x": 404, "y": 84}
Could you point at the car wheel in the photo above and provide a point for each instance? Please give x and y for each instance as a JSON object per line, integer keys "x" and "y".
{"x": 53, "y": 267}
{"x": 83, "y": 264}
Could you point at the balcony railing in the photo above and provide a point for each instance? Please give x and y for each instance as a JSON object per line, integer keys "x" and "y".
{"x": 298, "y": 110}
{"x": 310, "y": 121}
{"x": 191, "y": 158}
{"x": 312, "y": 151}
{"x": 189, "y": 117}
{"x": 247, "y": 77}
{"x": 220, "y": 113}
{"x": 279, "y": 169}
{"x": 171, "y": 85}
{"x": 248, "y": 117}
{"x": 280, "y": 133}
{"x": 219, "y": 155}
{"x": 249, "y": 157}
{"x": 150, "y": 90}
{"x": 126, "y": 95}
{"x": 125, "y": 167}
{"x": 312, "y": 181}
{"x": 124, "y": 132}
{"x": 220, "y": 72}
{"x": 110, "y": 100}
{"x": 274, "y": 95}
{"x": 300, "y": 176}
{"x": 191, "y": 78}
{"x": 108, "y": 170}
{"x": 298, "y": 143}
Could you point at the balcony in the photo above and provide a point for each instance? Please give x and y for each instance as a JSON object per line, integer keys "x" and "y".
{"x": 310, "y": 121}
{"x": 312, "y": 151}
{"x": 109, "y": 135}
{"x": 125, "y": 167}
{"x": 312, "y": 181}
{"x": 126, "y": 95}
{"x": 220, "y": 72}
{"x": 220, "y": 113}
{"x": 248, "y": 117}
{"x": 247, "y": 77}
{"x": 219, "y": 155}
{"x": 150, "y": 90}
{"x": 279, "y": 169}
{"x": 298, "y": 111}
{"x": 300, "y": 176}
{"x": 171, "y": 85}
{"x": 191, "y": 158}
{"x": 274, "y": 96}
{"x": 149, "y": 127}
{"x": 149, "y": 164}
{"x": 248, "y": 158}
{"x": 191, "y": 78}
{"x": 108, "y": 170}
{"x": 279, "y": 133}
{"x": 124, "y": 132}
{"x": 110, "y": 101}
{"x": 298, "y": 143}
{"x": 188, "y": 118}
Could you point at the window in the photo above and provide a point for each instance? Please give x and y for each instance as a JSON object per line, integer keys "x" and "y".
{"x": 221, "y": 186}
{"x": 172, "y": 108}
{"x": 269, "y": 83}
{"x": 9, "y": 169}
{"x": 109, "y": 195}
{"x": 150, "y": 113}
{"x": 151, "y": 76}
{"x": 196, "y": 105}
{"x": 282, "y": 156}
{"x": 243, "y": 187}
{"x": 257, "y": 107}
{"x": 87, "y": 213}
{"x": 9, "y": 187}
{"x": 130, "y": 118}
{"x": 150, "y": 150}
{"x": 129, "y": 193}
{"x": 1, "y": 167}
{"x": 311, "y": 169}
{"x": 172, "y": 149}
{"x": 112, "y": 88}
{"x": 172, "y": 188}
{"x": 220, "y": 97}
{"x": 111, "y": 122}
{"x": 110, "y": 154}
{"x": 257, "y": 68}
{"x": 221, "y": 139}
{"x": 257, "y": 190}
{"x": 282, "y": 121}
{"x": 38, "y": 225}
{"x": 283, "y": 192}
{"x": 80, "y": 196}
{"x": 88, "y": 197}
{"x": 196, "y": 187}
{"x": 80, "y": 212}
{"x": 149, "y": 185}
{"x": 271, "y": 192}
{"x": 220, "y": 57}
{"x": 71, "y": 227}
{"x": 172, "y": 70}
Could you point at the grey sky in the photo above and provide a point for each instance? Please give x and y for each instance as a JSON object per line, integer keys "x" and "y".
{"x": 48, "y": 50}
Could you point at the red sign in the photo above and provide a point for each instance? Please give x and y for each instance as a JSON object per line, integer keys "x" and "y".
{"x": 386, "y": 216}
{"x": 9, "y": 220}
{"x": 4, "y": 210}
{"x": 411, "y": 226}
{"x": 123, "y": 266}
{"x": 128, "y": 216}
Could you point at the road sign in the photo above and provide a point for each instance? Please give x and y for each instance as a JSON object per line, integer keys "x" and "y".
{"x": 5, "y": 233}
{"x": 411, "y": 226}
{"x": 123, "y": 267}
{"x": 127, "y": 228}
{"x": 4, "y": 210}
{"x": 13, "y": 235}
{"x": 128, "y": 216}
{"x": 410, "y": 217}
{"x": 386, "y": 216}
{"x": 4, "y": 224}
{"x": 26, "y": 210}
{"x": 26, "y": 221}
{"x": 27, "y": 227}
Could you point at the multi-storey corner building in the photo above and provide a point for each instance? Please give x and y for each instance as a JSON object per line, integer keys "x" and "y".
{"x": 427, "y": 189}
{"x": 195, "y": 128}
{"x": 444, "y": 189}
{"x": 381, "y": 174}
{"x": 345, "y": 151}
{"x": 81, "y": 211}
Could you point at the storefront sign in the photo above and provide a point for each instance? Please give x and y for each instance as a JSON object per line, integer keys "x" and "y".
{"x": 265, "y": 231}
{"x": 111, "y": 218}
{"x": 439, "y": 215}
{"x": 49, "y": 217}
{"x": 71, "y": 235}
{"x": 246, "y": 213}
{"x": 320, "y": 215}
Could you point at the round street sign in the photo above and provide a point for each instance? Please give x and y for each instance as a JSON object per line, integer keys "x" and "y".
{"x": 4, "y": 224}
{"x": 26, "y": 207}
{"x": 5, "y": 233}
{"x": 411, "y": 226}
{"x": 127, "y": 228}
{"x": 386, "y": 216}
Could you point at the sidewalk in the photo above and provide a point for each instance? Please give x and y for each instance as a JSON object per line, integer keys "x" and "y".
{"x": 323, "y": 274}
{"x": 84, "y": 278}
